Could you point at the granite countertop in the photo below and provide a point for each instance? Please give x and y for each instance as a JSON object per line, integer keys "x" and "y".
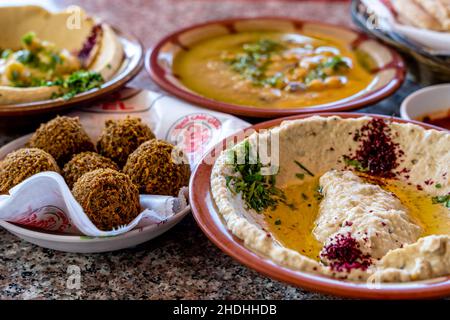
{"x": 182, "y": 263}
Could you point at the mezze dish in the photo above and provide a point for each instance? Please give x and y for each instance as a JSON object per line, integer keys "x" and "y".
{"x": 375, "y": 208}
{"x": 107, "y": 190}
{"x": 38, "y": 66}
{"x": 273, "y": 69}
{"x": 283, "y": 66}
{"x": 54, "y": 60}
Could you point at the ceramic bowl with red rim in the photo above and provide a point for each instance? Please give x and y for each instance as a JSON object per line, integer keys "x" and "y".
{"x": 386, "y": 66}
{"x": 212, "y": 223}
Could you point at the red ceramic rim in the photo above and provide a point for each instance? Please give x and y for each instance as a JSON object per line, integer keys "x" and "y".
{"x": 159, "y": 76}
{"x": 209, "y": 220}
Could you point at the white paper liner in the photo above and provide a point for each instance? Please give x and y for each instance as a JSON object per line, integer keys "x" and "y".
{"x": 437, "y": 42}
{"x": 44, "y": 201}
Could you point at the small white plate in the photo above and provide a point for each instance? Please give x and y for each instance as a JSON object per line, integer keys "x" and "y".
{"x": 84, "y": 244}
{"x": 426, "y": 101}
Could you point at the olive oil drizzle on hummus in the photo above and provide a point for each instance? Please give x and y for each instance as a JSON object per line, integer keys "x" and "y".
{"x": 294, "y": 228}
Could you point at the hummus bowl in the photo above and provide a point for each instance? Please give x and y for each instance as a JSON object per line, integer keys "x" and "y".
{"x": 346, "y": 204}
{"x": 271, "y": 67}
{"x": 54, "y": 60}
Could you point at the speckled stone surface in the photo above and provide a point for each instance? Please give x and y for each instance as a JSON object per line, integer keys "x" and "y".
{"x": 181, "y": 264}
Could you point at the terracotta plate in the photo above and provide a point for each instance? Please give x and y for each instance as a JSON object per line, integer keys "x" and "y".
{"x": 388, "y": 74}
{"x": 210, "y": 221}
{"x": 131, "y": 65}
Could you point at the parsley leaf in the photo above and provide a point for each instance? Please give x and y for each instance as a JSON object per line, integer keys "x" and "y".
{"x": 78, "y": 82}
{"x": 355, "y": 163}
{"x": 258, "y": 191}
{"x": 445, "y": 200}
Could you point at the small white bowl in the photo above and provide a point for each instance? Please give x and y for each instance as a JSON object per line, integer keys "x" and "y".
{"x": 426, "y": 101}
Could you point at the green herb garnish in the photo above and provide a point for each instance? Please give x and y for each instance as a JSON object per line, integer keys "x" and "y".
{"x": 6, "y": 53}
{"x": 355, "y": 163}
{"x": 304, "y": 168}
{"x": 258, "y": 191}
{"x": 301, "y": 176}
{"x": 78, "y": 82}
{"x": 277, "y": 222}
{"x": 319, "y": 193}
{"x": 27, "y": 39}
{"x": 438, "y": 186}
{"x": 334, "y": 64}
{"x": 445, "y": 200}
{"x": 253, "y": 62}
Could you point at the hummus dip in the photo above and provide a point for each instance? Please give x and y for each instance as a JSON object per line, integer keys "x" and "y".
{"x": 45, "y": 57}
{"x": 359, "y": 199}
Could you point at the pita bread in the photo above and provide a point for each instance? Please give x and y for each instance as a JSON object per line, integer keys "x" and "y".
{"x": 439, "y": 9}
{"x": 412, "y": 13}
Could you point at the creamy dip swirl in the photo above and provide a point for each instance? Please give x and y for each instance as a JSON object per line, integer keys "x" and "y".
{"x": 389, "y": 240}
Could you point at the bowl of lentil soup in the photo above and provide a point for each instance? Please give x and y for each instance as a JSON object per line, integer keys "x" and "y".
{"x": 269, "y": 67}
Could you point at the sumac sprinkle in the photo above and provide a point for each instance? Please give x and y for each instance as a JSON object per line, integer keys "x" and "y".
{"x": 377, "y": 153}
{"x": 89, "y": 43}
{"x": 344, "y": 254}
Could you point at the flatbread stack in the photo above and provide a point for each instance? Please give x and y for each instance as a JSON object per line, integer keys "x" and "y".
{"x": 425, "y": 14}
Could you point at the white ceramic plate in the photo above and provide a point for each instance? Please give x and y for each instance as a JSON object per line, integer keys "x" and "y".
{"x": 426, "y": 101}
{"x": 83, "y": 244}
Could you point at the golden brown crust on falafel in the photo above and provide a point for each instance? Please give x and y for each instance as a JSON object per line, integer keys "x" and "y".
{"x": 22, "y": 164}
{"x": 83, "y": 163}
{"x": 62, "y": 137}
{"x": 108, "y": 197}
{"x": 121, "y": 137}
{"x": 152, "y": 168}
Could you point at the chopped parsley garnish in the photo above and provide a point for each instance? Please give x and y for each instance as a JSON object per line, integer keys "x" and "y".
{"x": 438, "y": 186}
{"x": 6, "y": 53}
{"x": 301, "y": 176}
{"x": 78, "y": 82}
{"x": 253, "y": 62}
{"x": 355, "y": 163}
{"x": 27, "y": 39}
{"x": 258, "y": 191}
{"x": 277, "y": 222}
{"x": 304, "y": 168}
{"x": 333, "y": 64}
{"x": 336, "y": 63}
{"x": 445, "y": 200}
{"x": 319, "y": 193}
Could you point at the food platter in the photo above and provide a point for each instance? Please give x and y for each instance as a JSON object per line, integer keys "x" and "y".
{"x": 388, "y": 72}
{"x": 128, "y": 68}
{"x": 211, "y": 222}
{"x": 85, "y": 244}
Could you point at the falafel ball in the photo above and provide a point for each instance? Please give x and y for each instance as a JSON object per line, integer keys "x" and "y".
{"x": 62, "y": 137}
{"x": 157, "y": 167}
{"x": 109, "y": 198}
{"x": 22, "y": 164}
{"x": 83, "y": 163}
{"x": 121, "y": 137}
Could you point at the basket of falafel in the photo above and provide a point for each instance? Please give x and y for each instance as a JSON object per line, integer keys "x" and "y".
{"x": 108, "y": 176}
{"x": 104, "y": 188}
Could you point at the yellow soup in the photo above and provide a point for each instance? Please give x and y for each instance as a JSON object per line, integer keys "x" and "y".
{"x": 292, "y": 225}
{"x": 273, "y": 69}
